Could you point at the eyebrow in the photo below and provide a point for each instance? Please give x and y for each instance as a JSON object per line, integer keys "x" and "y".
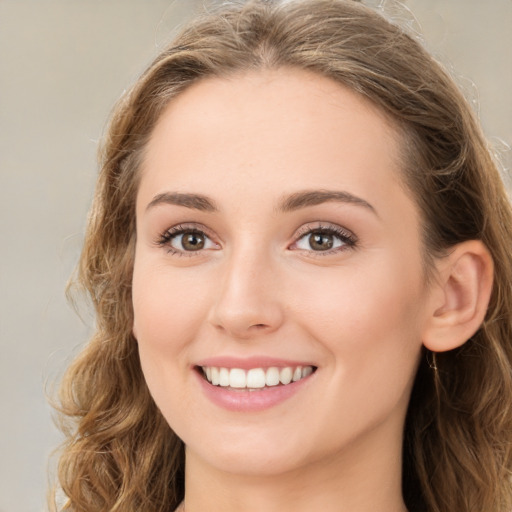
{"x": 193, "y": 201}
{"x": 315, "y": 197}
{"x": 290, "y": 203}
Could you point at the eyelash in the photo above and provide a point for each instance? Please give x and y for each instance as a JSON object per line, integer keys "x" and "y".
{"x": 348, "y": 239}
{"x": 165, "y": 239}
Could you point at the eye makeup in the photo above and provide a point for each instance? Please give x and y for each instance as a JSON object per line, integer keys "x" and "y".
{"x": 319, "y": 239}
{"x": 324, "y": 240}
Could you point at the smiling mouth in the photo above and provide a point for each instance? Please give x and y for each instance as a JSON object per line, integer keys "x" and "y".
{"x": 255, "y": 378}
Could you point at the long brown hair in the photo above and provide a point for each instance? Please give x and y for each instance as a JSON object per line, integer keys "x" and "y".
{"x": 120, "y": 454}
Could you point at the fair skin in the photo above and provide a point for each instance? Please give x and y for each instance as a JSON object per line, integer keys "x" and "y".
{"x": 238, "y": 265}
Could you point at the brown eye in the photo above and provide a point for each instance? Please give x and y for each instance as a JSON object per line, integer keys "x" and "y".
{"x": 182, "y": 240}
{"x": 321, "y": 241}
{"x": 328, "y": 240}
{"x": 192, "y": 241}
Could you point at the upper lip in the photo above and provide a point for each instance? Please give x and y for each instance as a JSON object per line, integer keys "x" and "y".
{"x": 251, "y": 362}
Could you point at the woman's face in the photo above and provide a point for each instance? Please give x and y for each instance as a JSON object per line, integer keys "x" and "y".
{"x": 275, "y": 242}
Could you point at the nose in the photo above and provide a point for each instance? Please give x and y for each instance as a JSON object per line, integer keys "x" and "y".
{"x": 247, "y": 303}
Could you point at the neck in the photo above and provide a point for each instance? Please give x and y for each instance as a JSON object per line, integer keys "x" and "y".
{"x": 364, "y": 478}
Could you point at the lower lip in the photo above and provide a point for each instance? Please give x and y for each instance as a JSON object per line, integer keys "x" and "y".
{"x": 250, "y": 401}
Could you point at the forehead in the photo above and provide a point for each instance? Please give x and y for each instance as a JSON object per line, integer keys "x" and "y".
{"x": 271, "y": 131}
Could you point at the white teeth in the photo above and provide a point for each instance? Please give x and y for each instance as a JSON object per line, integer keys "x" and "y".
{"x": 255, "y": 378}
{"x": 224, "y": 377}
{"x": 307, "y": 370}
{"x": 237, "y": 378}
{"x": 285, "y": 375}
{"x": 272, "y": 376}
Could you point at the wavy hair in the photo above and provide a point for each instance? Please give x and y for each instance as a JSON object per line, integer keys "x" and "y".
{"x": 119, "y": 453}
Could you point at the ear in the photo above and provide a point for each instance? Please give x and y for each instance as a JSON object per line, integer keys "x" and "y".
{"x": 460, "y": 296}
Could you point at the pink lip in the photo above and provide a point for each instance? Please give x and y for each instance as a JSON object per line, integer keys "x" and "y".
{"x": 250, "y": 362}
{"x": 250, "y": 401}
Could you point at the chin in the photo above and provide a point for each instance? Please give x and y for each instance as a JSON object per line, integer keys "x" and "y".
{"x": 246, "y": 450}
{"x": 250, "y": 461}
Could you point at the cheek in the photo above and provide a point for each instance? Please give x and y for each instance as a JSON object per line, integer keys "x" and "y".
{"x": 366, "y": 315}
{"x": 166, "y": 309}
{"x": 369, "y": 324}
{"x": 167, "y": 312}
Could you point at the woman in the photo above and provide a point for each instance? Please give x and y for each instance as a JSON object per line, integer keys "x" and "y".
{"x": 299, "y": 256}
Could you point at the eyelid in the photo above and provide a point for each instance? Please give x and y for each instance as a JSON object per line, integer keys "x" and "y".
{"x": 348, "y": 238}
{"x": 324, "y": 226}
{"x": 165, "y": 238}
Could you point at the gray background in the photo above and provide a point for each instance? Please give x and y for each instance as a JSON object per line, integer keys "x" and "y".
{"x": 62, "y": 66}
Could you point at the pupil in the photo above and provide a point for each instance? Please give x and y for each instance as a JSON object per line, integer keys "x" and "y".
{"x": 320, "y": 241}
{"x": 193, "y": 242}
